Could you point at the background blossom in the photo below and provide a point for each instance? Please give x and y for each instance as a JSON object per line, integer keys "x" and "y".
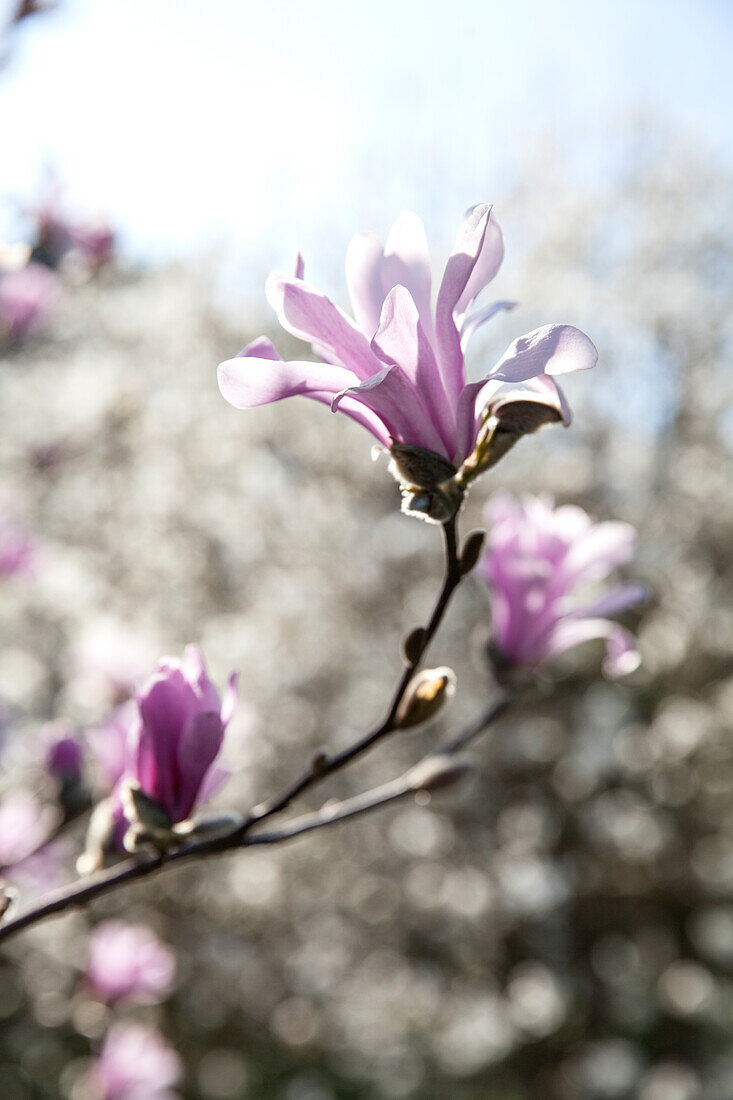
{"x": 129, "y": 961}
{"x": 135, "y": 1064}
{"x": 538, "y": 565}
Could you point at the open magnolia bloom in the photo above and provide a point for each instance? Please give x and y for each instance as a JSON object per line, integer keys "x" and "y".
{"x": 398, "y": 368}
{"x": 538, "y": 566}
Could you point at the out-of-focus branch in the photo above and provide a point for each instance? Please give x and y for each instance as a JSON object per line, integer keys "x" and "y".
{"x": 435, "y": 771}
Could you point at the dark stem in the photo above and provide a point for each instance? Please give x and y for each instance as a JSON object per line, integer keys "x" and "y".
{"x": 323, "y": 765}
{"x": 79, "y": 894}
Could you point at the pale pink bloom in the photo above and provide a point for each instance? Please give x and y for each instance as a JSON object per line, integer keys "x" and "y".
{"x": 135, "y": 1064}
{"x": 27, "y": 298}
{"x": 539, "y": 563}
{"x": 128, "y": 960}
{"x": 398, "y": 367}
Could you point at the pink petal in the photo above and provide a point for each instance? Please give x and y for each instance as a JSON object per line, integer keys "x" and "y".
{"x": 472, "y": 401}
{"x": 260, "y": 348}
{"x": 312, "y": 316}
{"x": 604, "y": 547}
{"x": 230, "y": 701}
{"x": 622, "y": 656}
{"x": 552, "y": 349}
{"x": 487, "y": 265}
{"x": 198, "y": 747}
{"x": 614, "y": 602}
{"x": 213, "y": 782}
{"x": 474, "y": 322}
{"x": 162, "y": 704}
{"x": 364, "y": 259}
{"x": 393, "y": 397}
{"x": 455, "y": 280}
{"x": 401, "y": 340}
{"x": 246, "y": 382}
{"x": 407, "y": 263}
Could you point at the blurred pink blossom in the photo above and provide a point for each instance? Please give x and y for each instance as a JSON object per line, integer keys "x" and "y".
{"x": 27, "y": 297}
{"x": 538, "y": 564}
{"x": 128, "y": 960}
{"x": 135, "y": 1063}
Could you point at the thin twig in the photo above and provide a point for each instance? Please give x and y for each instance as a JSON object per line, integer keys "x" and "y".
{"x": 323, "y": 766}
{"x": 78, "y": 894}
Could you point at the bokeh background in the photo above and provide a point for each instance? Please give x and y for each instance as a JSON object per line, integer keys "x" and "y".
{"x": 563, "y": 926}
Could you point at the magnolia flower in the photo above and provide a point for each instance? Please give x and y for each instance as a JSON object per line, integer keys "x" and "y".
{"x": 177, "y": 734}
{"x": 135, "y": 1064}
{"x": 27, "y": 297}
{"x": 538, "y": 564}
{"x": 128, "y": 960}
{"x": 398, "y": 368}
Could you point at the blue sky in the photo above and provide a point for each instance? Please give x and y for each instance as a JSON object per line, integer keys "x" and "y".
{"x": 265, "y": 126}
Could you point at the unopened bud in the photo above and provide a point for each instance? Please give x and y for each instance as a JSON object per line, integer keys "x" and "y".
{"x": 425, "y": 695}
{"x": 471, "y": 552}
{"x": 434, "y": 773}
{"x": 413, "y": 645}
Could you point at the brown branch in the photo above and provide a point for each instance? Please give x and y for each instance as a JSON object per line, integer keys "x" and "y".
{"x": 436, "y": 770}
{"x": 78, "y": 894}
{"x": 324, "y": 765}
